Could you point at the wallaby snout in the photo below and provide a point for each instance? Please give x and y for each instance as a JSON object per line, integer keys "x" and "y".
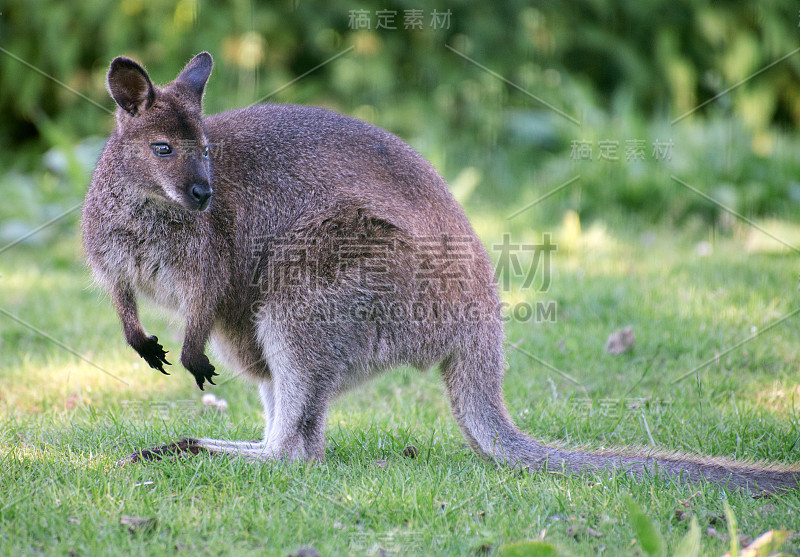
{"x": 201, "y": 195}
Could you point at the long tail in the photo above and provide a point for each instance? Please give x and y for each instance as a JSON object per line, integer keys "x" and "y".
{"x": 474, "y": 386}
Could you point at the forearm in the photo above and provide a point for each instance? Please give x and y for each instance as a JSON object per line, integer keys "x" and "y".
{"x": 124, "y": 299}
{"x": 199, "y": 323}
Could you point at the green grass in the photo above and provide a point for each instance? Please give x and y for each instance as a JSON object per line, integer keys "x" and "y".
{"x": 64, "y": 423}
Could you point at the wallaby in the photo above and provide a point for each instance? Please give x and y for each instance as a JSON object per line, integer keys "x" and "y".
{"x": 314, "y": 251}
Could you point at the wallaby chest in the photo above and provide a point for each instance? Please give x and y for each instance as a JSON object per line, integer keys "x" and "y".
{"x": 160, "y": 254}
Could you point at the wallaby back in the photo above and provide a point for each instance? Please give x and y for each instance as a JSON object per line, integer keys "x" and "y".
{"x": 314, "y": 250}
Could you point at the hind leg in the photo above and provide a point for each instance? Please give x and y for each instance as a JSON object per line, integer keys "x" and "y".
{"x": 295, "y": 407}
{"x": 252, "y": 450}
{"x": 300, "y": 407}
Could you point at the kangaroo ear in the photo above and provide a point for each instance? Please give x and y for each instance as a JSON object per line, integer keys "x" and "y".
{"x": 130, "y": 86}
{"x": 196, "y": 73}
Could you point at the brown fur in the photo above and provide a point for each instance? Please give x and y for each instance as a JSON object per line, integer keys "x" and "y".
{"x": 372, "y": 235}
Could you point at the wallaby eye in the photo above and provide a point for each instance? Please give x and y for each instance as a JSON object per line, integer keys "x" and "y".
{"x": 161, "y": 149}
{"x": 206, "y": 151}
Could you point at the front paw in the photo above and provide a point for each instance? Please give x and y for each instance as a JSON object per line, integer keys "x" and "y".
{"x": 200, "y": 367}
{"x": 153, "y": 353}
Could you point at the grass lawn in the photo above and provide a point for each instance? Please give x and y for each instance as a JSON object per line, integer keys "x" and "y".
{"x": 74, "y": 399}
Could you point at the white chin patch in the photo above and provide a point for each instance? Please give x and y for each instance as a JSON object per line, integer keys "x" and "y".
{"x": 172, "y": 196}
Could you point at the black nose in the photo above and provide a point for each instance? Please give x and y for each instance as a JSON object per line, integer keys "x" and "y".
{"x": 201, "y": 193}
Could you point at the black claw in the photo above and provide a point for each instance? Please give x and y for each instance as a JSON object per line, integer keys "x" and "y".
{"x": 153, "y": 353}
{"x": 200, "y": 368}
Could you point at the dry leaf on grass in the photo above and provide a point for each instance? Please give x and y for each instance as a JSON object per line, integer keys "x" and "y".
{"x": 620, "y": 342}
{"x": 305, "y": 552}
{"x": 138, "y": 523}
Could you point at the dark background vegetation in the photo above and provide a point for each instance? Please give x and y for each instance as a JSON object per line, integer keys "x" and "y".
{"x": 623, "y": 69}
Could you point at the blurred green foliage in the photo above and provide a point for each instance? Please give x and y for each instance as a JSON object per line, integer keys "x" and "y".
{"x": 622, "y": 69}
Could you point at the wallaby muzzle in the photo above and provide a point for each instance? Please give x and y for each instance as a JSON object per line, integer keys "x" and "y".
{"x": 200, "y": 196}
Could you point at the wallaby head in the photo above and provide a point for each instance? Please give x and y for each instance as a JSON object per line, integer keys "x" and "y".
{"x": 160, "y": 131}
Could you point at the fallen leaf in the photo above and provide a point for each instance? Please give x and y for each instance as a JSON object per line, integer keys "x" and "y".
{"x": 138, "y": 523}
{"x": 767, "y": 509}
{"x": 620, "y": 342}
{"x": 72, "y": 401}
{"x": 711, "y": 532}
{"x": 305, "y": 552}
